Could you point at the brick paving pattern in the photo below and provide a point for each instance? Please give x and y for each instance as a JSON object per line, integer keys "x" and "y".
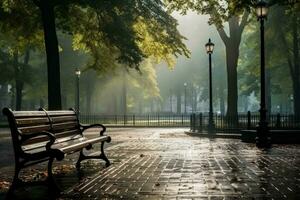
{"x": 168, "y": 164}
{"x": 176, "y": 166}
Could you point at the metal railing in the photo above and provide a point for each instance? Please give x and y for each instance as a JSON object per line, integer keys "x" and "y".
{"x": 196, "y": 122}
{"x": 199, "y": 122}
{"x": 134, "y": 120}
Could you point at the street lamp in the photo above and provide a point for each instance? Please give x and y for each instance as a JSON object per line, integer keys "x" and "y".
{"x": 209, "y": 49}
{"x": 77, "y": 73}
{"x": 185, "y": 86}
{"x": 263, "y": 139}
{"x": 292, "y": 101}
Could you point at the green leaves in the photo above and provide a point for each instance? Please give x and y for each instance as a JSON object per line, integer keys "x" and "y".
{"x": 125, "y": 32}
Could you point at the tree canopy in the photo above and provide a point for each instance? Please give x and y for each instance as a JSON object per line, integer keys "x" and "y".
{"x": 123, "y": 31}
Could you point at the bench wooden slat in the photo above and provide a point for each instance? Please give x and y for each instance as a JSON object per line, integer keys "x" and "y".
{"x": 72, "y": 146}
{"x": 33, "y": 129}
{"x": 66, "y": 133}
{"x": 28, "y": 113}
{"x": 61, "y": 113}
{"x": 30, "y": 121}
{"x": 63, "y": 119}
{"x": 65, "y": 125}
{"x": 29, "y": 147}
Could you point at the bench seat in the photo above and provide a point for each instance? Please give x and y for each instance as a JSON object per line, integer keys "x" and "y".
{"x": 42, "y": 135}
{"x": 65, "y": 147}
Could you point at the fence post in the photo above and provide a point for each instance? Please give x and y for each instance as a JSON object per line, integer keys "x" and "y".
{"x": 148, "y": 120}
{"x": 124, "y": 120}
{"x": 194, "y": 122}
{"x": 158, "y": 119}
{"x": 191, "y": 122}
{"x": 182, "y": 119}
{"x": 248, "y": 120}
{"x": 200, "y": 123}
{"x": 133, "y": 119}
{"x": 278, "y": 120}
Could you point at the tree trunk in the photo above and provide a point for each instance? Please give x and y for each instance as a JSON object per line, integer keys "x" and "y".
{"x": 222, "y": 101}
{"x": 178, "y": 103}
{"x": 89, "y": 87}
{"x": 18, "y": 82}
{"x": 114, "y": 104}
{"x": 296, "y": 75}
{"x": 12, "y": 99}
{"x": 51, "y": 44}
{"x": 89, "y": 100}
{"x": 124, "y": 94}
{"x": 19, "y": 89}
{"x": 140, "y": 107}
{"x": 4, "y": 96}
{"x": 232, "y": 55}
{"x": 268, "y": 92}
{"x": 232, "y": 43}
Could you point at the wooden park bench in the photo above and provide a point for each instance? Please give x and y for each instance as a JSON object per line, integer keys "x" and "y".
{"x": 40, "y": 136}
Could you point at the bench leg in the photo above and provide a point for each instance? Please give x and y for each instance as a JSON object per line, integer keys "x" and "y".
{"x": 52, "y": 183}
{"x": 101, "y": 156}
{"x": 81, "y": 158}
{"x": 16, "y": 180}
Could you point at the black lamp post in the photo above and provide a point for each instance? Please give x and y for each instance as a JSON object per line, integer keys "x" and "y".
{"x": 211, "y": 124}
{"x": 77, "y": 73}
{"x": 185, "y": 86}
{"x": 263, "y": 139}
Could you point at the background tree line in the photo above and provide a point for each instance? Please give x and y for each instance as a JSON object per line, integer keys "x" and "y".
{"x": 119, "y": 44}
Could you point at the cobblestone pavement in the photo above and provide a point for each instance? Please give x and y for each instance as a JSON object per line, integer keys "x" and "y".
{"x": 168, "y": 164}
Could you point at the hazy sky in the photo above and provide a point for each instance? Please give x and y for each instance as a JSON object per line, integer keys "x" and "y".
{"x": 197, "y": 31}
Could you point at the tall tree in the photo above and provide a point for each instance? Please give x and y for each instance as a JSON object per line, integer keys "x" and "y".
{"x": 236, "y": 14}
{"x": 288, "y": 37}
{"x": 20, "y": 40}
{"x": 110, "y": 23}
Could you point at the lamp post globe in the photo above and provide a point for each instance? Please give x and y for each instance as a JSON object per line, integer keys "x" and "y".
{"x": 292, "y": 102}
{"x": 262, "y": 10}
{"x": 209, "y": 47}
{"x": 185, "y": 102}
{"x": 78, "y": 72}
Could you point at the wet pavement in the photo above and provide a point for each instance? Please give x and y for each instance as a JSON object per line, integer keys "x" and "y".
{"x": 169, "y": 164}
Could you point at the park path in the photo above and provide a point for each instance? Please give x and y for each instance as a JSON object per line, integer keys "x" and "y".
{"x": 169, "y": 164}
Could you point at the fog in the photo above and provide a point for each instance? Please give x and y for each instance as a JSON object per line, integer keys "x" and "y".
{"x": 157, "y": 87}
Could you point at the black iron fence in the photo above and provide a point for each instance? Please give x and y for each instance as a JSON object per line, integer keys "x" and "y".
{"x": 147, "y": 120}
{"x": 199, "y": 122}
{"x": 196, "y": 122}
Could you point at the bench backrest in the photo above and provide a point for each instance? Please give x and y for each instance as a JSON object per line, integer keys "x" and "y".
{"x": 63, "y": 124}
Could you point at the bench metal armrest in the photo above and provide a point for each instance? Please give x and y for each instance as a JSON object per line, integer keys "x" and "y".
{"x": 51, "y": 137}
{"x": 85, "y": 127}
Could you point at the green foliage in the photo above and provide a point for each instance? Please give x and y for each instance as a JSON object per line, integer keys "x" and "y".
{"x": 219, "y": 11}
{"x": 279, "y": 48}
{"x": 110, "y": 34}
{"x": 127, "y": 32}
